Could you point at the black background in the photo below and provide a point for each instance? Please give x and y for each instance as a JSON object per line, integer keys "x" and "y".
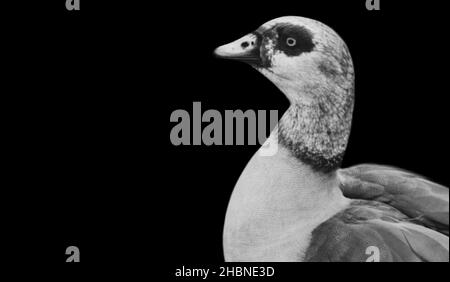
{"x": 88, "y": 96}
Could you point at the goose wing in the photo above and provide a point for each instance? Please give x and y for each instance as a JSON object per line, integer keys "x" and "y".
{"x": 394, "y": 215}
{"x": 420, "y": 199}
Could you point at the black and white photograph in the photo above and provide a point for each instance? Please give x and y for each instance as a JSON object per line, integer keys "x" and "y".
{"x": 222, "y": 141}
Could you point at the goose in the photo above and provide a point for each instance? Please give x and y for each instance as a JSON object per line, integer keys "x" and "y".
{"x": 299, "y": 204}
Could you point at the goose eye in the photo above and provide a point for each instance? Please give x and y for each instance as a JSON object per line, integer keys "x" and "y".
{"x": 291, "y": 42}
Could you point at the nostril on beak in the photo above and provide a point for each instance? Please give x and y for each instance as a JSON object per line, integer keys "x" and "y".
{"x": 244, "y": 44}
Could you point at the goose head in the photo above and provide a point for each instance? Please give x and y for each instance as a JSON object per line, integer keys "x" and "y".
{"x": 311, "y": 65}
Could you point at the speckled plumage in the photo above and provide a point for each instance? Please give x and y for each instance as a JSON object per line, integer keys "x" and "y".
{"x": 317, "y": 134}
{"x": 317, "y": 125}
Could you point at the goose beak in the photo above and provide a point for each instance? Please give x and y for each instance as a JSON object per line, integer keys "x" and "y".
{"x": 245, "y": 49}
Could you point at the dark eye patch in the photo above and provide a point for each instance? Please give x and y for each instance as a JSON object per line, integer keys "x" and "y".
{"x": 301, "y": 36}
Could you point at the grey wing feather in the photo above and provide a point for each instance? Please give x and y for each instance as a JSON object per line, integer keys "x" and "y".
{"x": 369, "y": 224}
{"x": 425, "y": 202}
